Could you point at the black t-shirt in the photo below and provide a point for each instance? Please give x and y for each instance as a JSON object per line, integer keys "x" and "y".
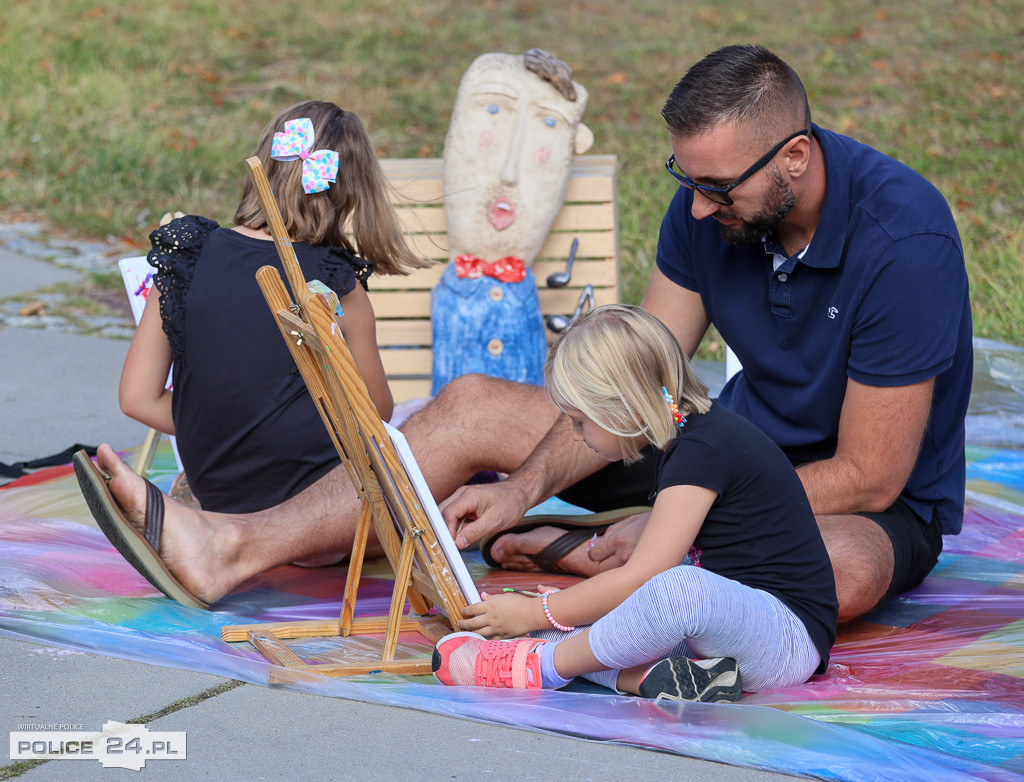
{"x": 248, "y": 433}
{"x": 760, "y": 530}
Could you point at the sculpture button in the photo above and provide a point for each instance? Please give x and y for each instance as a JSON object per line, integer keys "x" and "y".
{"x": 783, "y": 277}
{"x": 496, "y": 293}
{"x": 495, "y": 346}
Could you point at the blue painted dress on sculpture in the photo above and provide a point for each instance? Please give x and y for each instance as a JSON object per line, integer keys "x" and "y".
{"x": 484, "y": 325}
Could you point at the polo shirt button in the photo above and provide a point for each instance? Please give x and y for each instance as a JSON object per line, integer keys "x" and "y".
{"x": 783, "y": 277}
{"x": 496, "y": 293}
{"x": 495, "y": 346}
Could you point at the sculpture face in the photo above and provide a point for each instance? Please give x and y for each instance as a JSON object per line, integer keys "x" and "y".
{"x": 507, "y": 158}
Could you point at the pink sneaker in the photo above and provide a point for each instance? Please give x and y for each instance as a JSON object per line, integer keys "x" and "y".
{"x": 470, "y": 660}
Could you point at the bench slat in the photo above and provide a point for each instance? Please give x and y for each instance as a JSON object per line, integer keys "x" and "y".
{"x": 397, "y": 325}
{"x": 596, "y": 245}
{"x": 600, "y": 274}
{"x": 418, "y": 182}
{"x": 573, "y": 217}
{"x": 389, "y": 305}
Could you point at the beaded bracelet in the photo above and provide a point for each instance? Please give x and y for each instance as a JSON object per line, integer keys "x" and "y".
{"x": 547, "y": 613}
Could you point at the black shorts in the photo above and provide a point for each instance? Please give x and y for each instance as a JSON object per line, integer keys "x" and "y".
{"x": 618, "y": 485}
{"x": 916, "y": 545}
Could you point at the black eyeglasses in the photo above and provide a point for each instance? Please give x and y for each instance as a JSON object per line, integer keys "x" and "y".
{"x": 720, "y": 195}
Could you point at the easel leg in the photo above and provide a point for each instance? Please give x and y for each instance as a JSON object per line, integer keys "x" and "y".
{"x": 403, "y": 573}
{"x": 355, "y": 568}
{"x": 145, "y": 458}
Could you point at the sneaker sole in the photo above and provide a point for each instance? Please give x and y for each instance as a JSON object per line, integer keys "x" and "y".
{"x": 681, "y": 679}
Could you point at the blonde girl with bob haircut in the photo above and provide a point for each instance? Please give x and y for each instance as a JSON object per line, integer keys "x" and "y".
{"x": 622, "y": 391}
{"x": 730, "y": 587}
{"x": 248, "y": 433}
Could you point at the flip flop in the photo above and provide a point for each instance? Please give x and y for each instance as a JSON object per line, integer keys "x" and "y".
{"x": 140, "y": 549}
{"x": 547, "y": 558}
{"x": 578, "y": 529}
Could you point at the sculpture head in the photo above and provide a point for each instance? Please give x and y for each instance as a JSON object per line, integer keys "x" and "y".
{"x": 508, "y": 154}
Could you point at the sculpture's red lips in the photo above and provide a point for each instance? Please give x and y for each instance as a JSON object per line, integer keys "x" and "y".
{"x": 501, "y": 214}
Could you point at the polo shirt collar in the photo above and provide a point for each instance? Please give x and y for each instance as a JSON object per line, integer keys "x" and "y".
{"x": 826, "y": 248}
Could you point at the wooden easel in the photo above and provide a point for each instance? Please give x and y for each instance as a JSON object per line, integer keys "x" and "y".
{"x": 389, "y": 503}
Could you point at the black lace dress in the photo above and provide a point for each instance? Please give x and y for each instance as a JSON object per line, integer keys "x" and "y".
{"x": 248, "y": 432}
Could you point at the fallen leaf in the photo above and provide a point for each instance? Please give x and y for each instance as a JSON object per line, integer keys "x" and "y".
{"x": 616, "y": 78}
{"x": 35, "y": 308}
{"x": 203, "y": 73}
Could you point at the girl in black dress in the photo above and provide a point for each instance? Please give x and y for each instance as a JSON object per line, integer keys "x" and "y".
{"x": 248, "y": 433}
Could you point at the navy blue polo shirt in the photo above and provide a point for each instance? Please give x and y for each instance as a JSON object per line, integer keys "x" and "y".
{"x": 880, "y": 295}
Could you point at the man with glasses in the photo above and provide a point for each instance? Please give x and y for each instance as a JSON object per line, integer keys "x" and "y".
{"x": 834, "y": 272}
{"x": 837, "y": 276}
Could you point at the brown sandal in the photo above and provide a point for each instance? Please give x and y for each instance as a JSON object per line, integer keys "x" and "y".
{"x": 578, "y": 529}
{"x": 139, "y": 548}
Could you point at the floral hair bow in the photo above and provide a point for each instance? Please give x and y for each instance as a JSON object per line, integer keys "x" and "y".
{"x": 319, "y": 168}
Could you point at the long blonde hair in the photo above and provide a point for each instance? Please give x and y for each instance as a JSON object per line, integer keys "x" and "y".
{"x": 354, "y": 212}
{"x": 611, "y": 366}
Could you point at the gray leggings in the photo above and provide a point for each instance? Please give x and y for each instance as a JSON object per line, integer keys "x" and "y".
{"x": 688, "y": 611}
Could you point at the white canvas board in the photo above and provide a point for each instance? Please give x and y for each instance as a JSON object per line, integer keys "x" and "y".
{"x": 444, "y": 537}
{"x": 137, "y": 275}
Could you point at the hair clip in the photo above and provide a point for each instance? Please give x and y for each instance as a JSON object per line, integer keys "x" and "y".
{"x": 319, "y": 168}
{"x": 676, "y": 415}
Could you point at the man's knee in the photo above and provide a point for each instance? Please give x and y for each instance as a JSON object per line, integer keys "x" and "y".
{"x": 451, "y": 408}
{"x": 473, "y": 386}
{"x": 477, "y": 397}
{"x": 862, "y": 561}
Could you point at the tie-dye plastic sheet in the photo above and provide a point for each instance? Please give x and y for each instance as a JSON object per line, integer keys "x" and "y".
{"x": 927, "y": 687}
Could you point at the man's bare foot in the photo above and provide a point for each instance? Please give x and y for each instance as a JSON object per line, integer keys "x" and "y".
{"x": 199, "y": 548}
{"x": 510, "y": 550}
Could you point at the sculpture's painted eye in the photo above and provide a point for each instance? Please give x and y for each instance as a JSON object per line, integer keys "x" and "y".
{"x": 493, "y": 109}
{"x": 550, "y": 122}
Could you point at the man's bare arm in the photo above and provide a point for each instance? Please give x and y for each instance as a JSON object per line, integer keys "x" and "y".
{"x": 558, "y": 461}
{"x": 880, "y": 433}
{"x": 678, "y": 308}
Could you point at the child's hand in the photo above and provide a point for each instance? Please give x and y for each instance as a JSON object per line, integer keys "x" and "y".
{"x": 506, "y": 615}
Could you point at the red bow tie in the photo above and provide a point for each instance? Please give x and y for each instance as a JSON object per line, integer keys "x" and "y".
{"x": 508, "y": 269}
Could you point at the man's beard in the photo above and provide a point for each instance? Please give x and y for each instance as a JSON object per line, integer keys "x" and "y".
{"x": 776, "y": 204}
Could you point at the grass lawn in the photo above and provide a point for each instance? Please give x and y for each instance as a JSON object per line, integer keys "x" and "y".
{"x": 115, "y": 112}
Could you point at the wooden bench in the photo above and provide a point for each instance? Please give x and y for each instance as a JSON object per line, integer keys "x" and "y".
{"x": 402, "y": 304}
